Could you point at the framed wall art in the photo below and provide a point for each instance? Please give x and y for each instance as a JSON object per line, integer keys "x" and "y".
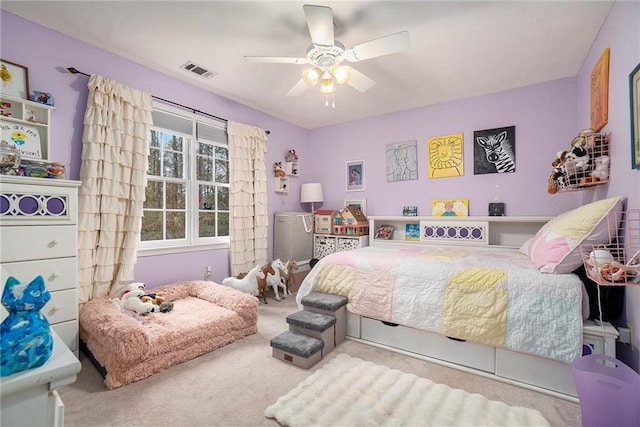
{"x": 15, "y": 79}
{"x": 358, "y": 203}
{"x": 445, "y": 158}
{"x": 494, "y": 150}
{"x": 355, "y": 175}
{"x": 634, "y": 97}
{"x": 600, "y": 92}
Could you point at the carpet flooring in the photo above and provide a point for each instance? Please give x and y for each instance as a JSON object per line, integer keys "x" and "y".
{"x": 233, "y": 385}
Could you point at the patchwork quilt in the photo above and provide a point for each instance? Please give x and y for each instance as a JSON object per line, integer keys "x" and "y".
{"x": 493, "y": 296}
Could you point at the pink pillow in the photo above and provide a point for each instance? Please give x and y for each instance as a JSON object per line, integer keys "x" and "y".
{"x": 556, "y": 246}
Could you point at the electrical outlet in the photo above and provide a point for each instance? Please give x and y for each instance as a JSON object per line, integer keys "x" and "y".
{"x": 207, "y": 272}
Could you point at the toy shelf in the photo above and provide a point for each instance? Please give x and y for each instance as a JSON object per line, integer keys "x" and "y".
{"x": 618, "y": 263}
{"x": 589, "y": 171}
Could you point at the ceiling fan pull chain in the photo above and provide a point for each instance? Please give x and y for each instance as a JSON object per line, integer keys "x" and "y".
{"x": 333, "y": 100}
{"x": 326, "y": 100}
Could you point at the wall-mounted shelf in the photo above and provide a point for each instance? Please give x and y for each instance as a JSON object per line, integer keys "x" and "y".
{"x": 30, "y": 118}
{"x": 281, "y": 184}
{"x": 293, "y": 168}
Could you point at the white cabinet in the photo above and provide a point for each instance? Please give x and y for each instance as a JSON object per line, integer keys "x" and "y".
{"x": 30, "y": 118}
{"x": 38, "y": 233}
{"x": 325, "y": 244}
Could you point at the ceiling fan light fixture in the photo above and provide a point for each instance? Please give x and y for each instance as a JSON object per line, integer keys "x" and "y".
{"x": 341, "y": 73}
{"x": 327, "y": 86}
{"x": 312, "y": 76}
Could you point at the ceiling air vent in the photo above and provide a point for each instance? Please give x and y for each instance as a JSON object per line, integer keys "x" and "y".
{"x": 198, "y": 69}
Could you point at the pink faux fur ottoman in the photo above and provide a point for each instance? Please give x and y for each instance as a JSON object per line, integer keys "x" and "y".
{"x": 205, "y": 316}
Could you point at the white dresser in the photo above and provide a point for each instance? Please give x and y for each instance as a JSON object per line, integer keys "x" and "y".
{"x": 38, "y": 236}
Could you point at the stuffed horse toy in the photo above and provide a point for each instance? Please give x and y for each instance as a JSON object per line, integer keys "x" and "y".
{"x": 247, "y": 283}
{"x": 262, "y": 281}
{"x": 275, "y": 280}
{"x": 287, "y": 273}
{"x": 25, "y": 335}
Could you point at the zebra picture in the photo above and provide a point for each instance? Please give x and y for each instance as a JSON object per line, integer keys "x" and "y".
{"x": 494, "y": 150}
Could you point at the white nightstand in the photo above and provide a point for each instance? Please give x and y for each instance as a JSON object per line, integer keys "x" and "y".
{"x": 601, "y": 339}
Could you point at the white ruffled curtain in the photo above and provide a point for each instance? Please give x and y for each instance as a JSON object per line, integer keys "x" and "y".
{"x": 248, "y": 197}
{"x": 114, "y": 176}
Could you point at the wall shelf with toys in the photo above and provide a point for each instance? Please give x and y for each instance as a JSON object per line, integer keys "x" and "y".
{"x": 584, "y": 165}
{"x": 29, "y": 121}
{"x": 618, "y": 263}
{"x": 292, "y": 165}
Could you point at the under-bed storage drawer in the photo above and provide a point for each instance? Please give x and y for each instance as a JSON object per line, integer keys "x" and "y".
{"x": 400, "y": 337}
{"x": 545, "y": 373}
{"x": 353, "y": 325}
{"x": 465, "y": 353}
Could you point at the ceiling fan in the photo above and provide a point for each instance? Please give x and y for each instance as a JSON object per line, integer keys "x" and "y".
{"x": 326, "y": 55}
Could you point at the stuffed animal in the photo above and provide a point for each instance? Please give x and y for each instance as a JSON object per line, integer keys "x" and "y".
{"x": 601, "y": 169}
{"x": 291, "y": 156}
{"x": 277, "y": 170}
{"x": 159, "y": 301}
{"x": 131, "y": 301}
{"x": 558, "y": 173}
{"x": 613, "y": 272}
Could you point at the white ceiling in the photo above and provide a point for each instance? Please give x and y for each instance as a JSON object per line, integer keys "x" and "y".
{"x": 458, "y": 49}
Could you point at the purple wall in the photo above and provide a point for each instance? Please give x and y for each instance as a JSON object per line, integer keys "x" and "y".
{"x": 547, "y": 116}
{"x": 621, "y": 34}
{"x": 544, "y": 117}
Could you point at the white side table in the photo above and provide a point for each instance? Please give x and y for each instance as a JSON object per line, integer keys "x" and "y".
{"x": 29, "y": 398}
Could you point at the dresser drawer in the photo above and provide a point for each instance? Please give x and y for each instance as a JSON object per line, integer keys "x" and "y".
{"x": 22, "y": 243}
{"x": 58, "y": 274}
{"x": 62, "y": 306}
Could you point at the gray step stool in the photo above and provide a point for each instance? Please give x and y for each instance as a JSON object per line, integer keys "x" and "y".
{"x": 315, "y": 325}
{"x": 336, "y": 305}
{"x": 301, "y": 350}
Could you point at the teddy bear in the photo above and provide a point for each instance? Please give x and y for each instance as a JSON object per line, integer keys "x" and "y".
{"x": 277, "y": 170}
{"x": 558, "y": 173}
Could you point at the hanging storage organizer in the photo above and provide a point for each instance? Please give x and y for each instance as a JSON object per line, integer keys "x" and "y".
{"x": 585, "y": 165}
{"x": 617, "y": 263}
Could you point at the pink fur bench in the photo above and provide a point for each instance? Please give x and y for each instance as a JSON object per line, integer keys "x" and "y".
{"x": 205, "y": 316}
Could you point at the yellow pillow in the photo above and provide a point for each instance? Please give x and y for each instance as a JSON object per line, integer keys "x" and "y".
{"x": 556, "y": 247}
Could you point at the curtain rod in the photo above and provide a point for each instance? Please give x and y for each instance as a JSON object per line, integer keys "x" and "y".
{"x": 74, "y": 70}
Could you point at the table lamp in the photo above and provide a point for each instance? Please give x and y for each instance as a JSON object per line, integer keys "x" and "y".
{"x": 311, "y": 193}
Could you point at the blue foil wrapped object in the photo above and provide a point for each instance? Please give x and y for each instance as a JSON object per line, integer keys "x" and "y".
{"x": 25, "y": 335}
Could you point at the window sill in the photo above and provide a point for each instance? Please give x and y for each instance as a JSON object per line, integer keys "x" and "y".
{"x": 143, "y": 252}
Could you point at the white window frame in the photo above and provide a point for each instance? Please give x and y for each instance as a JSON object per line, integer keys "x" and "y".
{"x": 191, "y": 242}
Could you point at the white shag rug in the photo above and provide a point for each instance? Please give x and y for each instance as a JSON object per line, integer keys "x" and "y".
{"x": 349, "y": 391}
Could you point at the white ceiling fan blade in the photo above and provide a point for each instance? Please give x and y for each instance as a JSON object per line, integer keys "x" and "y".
{"x": 359, "y": 81}
{"x": 320, "y": 22}
{"x": 277, "y": 59}
{"x": 298, "y": 88}
{"x": 378, "y": 47}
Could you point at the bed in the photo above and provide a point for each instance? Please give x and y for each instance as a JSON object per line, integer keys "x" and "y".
{"x": 498, "y": 310}
{"x": 127, "y": 347}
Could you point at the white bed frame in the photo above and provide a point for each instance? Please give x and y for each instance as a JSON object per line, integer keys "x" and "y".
{"x": 537, "y": 373}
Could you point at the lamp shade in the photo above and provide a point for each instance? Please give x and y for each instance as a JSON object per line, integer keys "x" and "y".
{"x": 311, "y": 192}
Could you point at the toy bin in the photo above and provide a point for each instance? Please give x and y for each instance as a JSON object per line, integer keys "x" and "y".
{"x": 609, "y": 391}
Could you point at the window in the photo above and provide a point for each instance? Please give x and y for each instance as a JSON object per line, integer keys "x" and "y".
{"x": 187, "y": 194}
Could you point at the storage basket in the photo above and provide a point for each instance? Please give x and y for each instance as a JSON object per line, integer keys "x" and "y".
{"x": 609, "y": 391}
{"x": 618, "y": 263}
